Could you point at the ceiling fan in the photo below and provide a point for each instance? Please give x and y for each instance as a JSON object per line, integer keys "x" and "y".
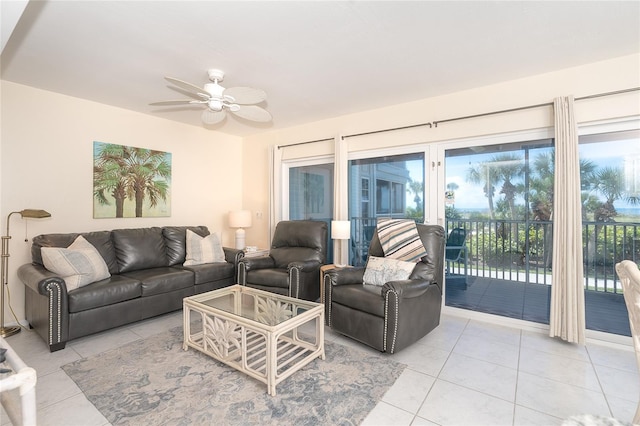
{"x": 218, "y": 100}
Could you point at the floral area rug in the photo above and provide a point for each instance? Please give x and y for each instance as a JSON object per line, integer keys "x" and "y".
{"x": 154, "y": 381}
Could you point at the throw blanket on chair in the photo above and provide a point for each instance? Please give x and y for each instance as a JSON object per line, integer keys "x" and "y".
{"x": 400, "y": 240}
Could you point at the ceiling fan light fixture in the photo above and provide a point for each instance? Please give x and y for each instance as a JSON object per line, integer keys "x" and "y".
{"x": 238, "y": 100}
{"x": 212, "y": 117}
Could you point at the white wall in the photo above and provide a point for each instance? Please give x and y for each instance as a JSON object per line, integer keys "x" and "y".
{"x": 47, "y": 159}
{"x": 611, "y": 75}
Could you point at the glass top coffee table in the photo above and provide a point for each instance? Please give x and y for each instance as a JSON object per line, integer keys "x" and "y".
{"x": 254, "y": 331}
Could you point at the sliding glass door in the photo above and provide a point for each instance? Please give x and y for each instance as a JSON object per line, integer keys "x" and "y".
{"x": 610, "y": 180}
{"x": 498, "y": 204}
{"x": 310, "y": 194}
{"x": 383, "y": 186}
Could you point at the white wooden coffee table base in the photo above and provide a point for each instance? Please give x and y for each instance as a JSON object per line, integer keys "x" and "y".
{"x": 269, "y": 353}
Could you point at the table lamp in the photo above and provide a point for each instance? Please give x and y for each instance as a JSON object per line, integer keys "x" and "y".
{"x": 4, "y": 265}
{"x": 240, "y": 219}
{"x": 340, "y": 230}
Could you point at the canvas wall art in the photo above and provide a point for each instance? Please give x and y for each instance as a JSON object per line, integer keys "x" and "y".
{"x": 130, "y": 182}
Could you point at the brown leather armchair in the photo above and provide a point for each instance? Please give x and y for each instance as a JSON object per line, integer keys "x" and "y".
{"x": 292, "y": 268}
{"x": 394, "y": 316}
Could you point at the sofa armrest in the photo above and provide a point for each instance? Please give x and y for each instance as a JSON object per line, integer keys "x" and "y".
{"x": 46, "y": 304}
{"x": 233, "y": 255}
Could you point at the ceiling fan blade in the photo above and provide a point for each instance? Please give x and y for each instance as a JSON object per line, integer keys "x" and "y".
{"x": 253, "y": 113}
{"x": 178, "y": 102}
{"x": 212, "y": 117}
{"x": 188, "y": 87}
{"x": 246, "y": 95}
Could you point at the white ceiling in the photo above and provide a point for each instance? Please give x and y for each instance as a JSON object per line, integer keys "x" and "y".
{"x": 315, "y": 60}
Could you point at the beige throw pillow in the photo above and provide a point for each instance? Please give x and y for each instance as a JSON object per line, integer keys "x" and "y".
{"x": 202, "y": 250}
{"x": 79, "y": 264}
{"x": 381, "y": 270}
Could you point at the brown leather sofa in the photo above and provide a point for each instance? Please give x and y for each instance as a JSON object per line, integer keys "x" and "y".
{"x": 391, "y": 317}
{"x": 292, "y": 268}
{"x": 147, "y": 279}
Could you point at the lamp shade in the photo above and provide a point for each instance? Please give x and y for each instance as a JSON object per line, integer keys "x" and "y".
{"x": 340, "y": 229}
{"x": 240, "y": 219}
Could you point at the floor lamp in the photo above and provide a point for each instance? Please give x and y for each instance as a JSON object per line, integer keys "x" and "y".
{"x": 30, "y": 213}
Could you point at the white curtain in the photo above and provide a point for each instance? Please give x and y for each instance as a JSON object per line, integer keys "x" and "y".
{"x": 340, "y": 197}
{"x": 567, "y": 318}
{"x": 275, "y": 185}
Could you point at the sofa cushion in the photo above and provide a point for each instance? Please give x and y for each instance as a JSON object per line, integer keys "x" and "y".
{"x": 162, "y": 280}
{"x": 114, "y": 289}
{"x": 79, "y": 264}
{"x": 269, "y": 277}
{"x": 351, "y": 295}
{"x": 175, "y": 241}
{"x": 211, "y": 272}
{"x": 141, "y": 248}
{"x": 201, "y": 250}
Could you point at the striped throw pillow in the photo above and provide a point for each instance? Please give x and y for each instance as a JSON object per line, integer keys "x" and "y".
{"x": 400, "y": 239}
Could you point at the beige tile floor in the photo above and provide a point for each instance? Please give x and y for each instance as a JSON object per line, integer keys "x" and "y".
{"x": 465, "y": 372}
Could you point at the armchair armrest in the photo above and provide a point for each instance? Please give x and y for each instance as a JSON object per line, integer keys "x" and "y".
{"x": 406, "y": 289}
{"x": 305, "y": 266}
{"x": 348, "y": 275}
{"x": 253, "y": 263}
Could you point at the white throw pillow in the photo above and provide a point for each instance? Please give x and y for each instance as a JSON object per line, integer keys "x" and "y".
{"x": 79, "y": 264}
{"x": 381, "y": 270}
{"x": 203, "y": 249}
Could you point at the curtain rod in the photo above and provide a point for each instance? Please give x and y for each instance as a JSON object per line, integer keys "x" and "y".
{"x": 387, "y": 130}
{"x": 304, "y": 143}
{"x": 598, "y": 95}
{"x": 435, "y": 123}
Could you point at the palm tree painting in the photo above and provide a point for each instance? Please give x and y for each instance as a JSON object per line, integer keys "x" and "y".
{"x": 130, "y": 182}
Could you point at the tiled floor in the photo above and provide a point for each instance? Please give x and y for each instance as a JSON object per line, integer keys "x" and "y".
{"x": 465, "y": 372}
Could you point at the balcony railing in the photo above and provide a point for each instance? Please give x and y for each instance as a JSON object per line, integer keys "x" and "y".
{"x": 522, "y": 250}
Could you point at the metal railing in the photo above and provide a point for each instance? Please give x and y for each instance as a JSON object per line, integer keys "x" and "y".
{"x": 522, "y": 250}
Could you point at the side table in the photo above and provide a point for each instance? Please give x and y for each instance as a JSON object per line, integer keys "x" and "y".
{"x": 256, "y": 253}
{"x": 18, "y": 389}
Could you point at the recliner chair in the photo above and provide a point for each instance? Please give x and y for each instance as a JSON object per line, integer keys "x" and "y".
{"x": 394, "y": 316}
{"x": 292, "y": 268}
